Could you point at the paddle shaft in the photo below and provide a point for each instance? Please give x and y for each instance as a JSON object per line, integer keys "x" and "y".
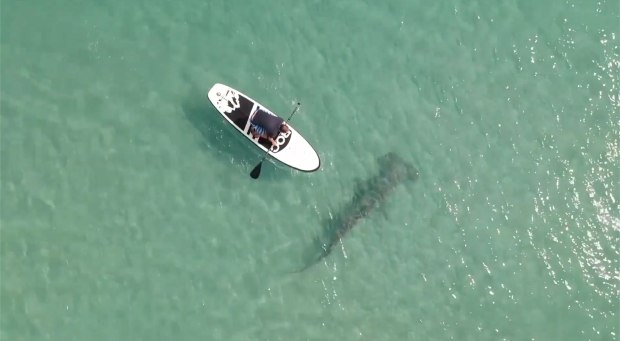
{"x": 293, "y": 113}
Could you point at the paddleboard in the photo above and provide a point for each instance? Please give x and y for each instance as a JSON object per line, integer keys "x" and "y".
{"x": 291, "y": 148}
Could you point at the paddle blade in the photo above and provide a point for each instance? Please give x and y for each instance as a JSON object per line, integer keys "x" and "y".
{"x": 256, "y": 171}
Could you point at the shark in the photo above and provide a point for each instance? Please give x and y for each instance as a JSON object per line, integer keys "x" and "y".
{"x": 367, "y": 196}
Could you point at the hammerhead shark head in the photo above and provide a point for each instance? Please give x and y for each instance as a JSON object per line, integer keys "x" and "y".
{"x": 368, "y": 195}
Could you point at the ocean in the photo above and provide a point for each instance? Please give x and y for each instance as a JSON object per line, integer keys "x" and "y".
{"x": 127, "y": 211}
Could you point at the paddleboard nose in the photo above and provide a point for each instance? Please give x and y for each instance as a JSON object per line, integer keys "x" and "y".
{"x": 307, "y": 159}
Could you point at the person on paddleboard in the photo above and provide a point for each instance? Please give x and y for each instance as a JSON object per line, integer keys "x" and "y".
{"x": 267, "y": 126}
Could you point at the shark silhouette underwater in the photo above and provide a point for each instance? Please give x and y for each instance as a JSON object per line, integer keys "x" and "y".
{"x": 368, "y": 195}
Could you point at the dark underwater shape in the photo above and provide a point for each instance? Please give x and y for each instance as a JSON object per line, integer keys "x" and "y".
{"x": 368, "y": 195}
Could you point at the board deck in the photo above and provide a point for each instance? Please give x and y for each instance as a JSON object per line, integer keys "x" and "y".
{"x": 290, "y": 149}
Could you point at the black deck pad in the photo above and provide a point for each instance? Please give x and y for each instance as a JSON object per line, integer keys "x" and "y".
{"x": 241, "y": 115}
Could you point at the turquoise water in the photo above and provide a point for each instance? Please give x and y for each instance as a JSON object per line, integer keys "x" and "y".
{"x": 128, "y": 213}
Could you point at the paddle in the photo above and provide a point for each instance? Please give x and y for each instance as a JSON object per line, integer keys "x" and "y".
{"x": 256, "y": 171}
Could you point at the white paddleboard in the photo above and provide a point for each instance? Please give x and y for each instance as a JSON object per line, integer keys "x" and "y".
{"x": 290, "y": 149}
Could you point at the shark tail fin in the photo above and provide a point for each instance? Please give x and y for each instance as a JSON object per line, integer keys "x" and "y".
{"x": 324, "y": 252}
